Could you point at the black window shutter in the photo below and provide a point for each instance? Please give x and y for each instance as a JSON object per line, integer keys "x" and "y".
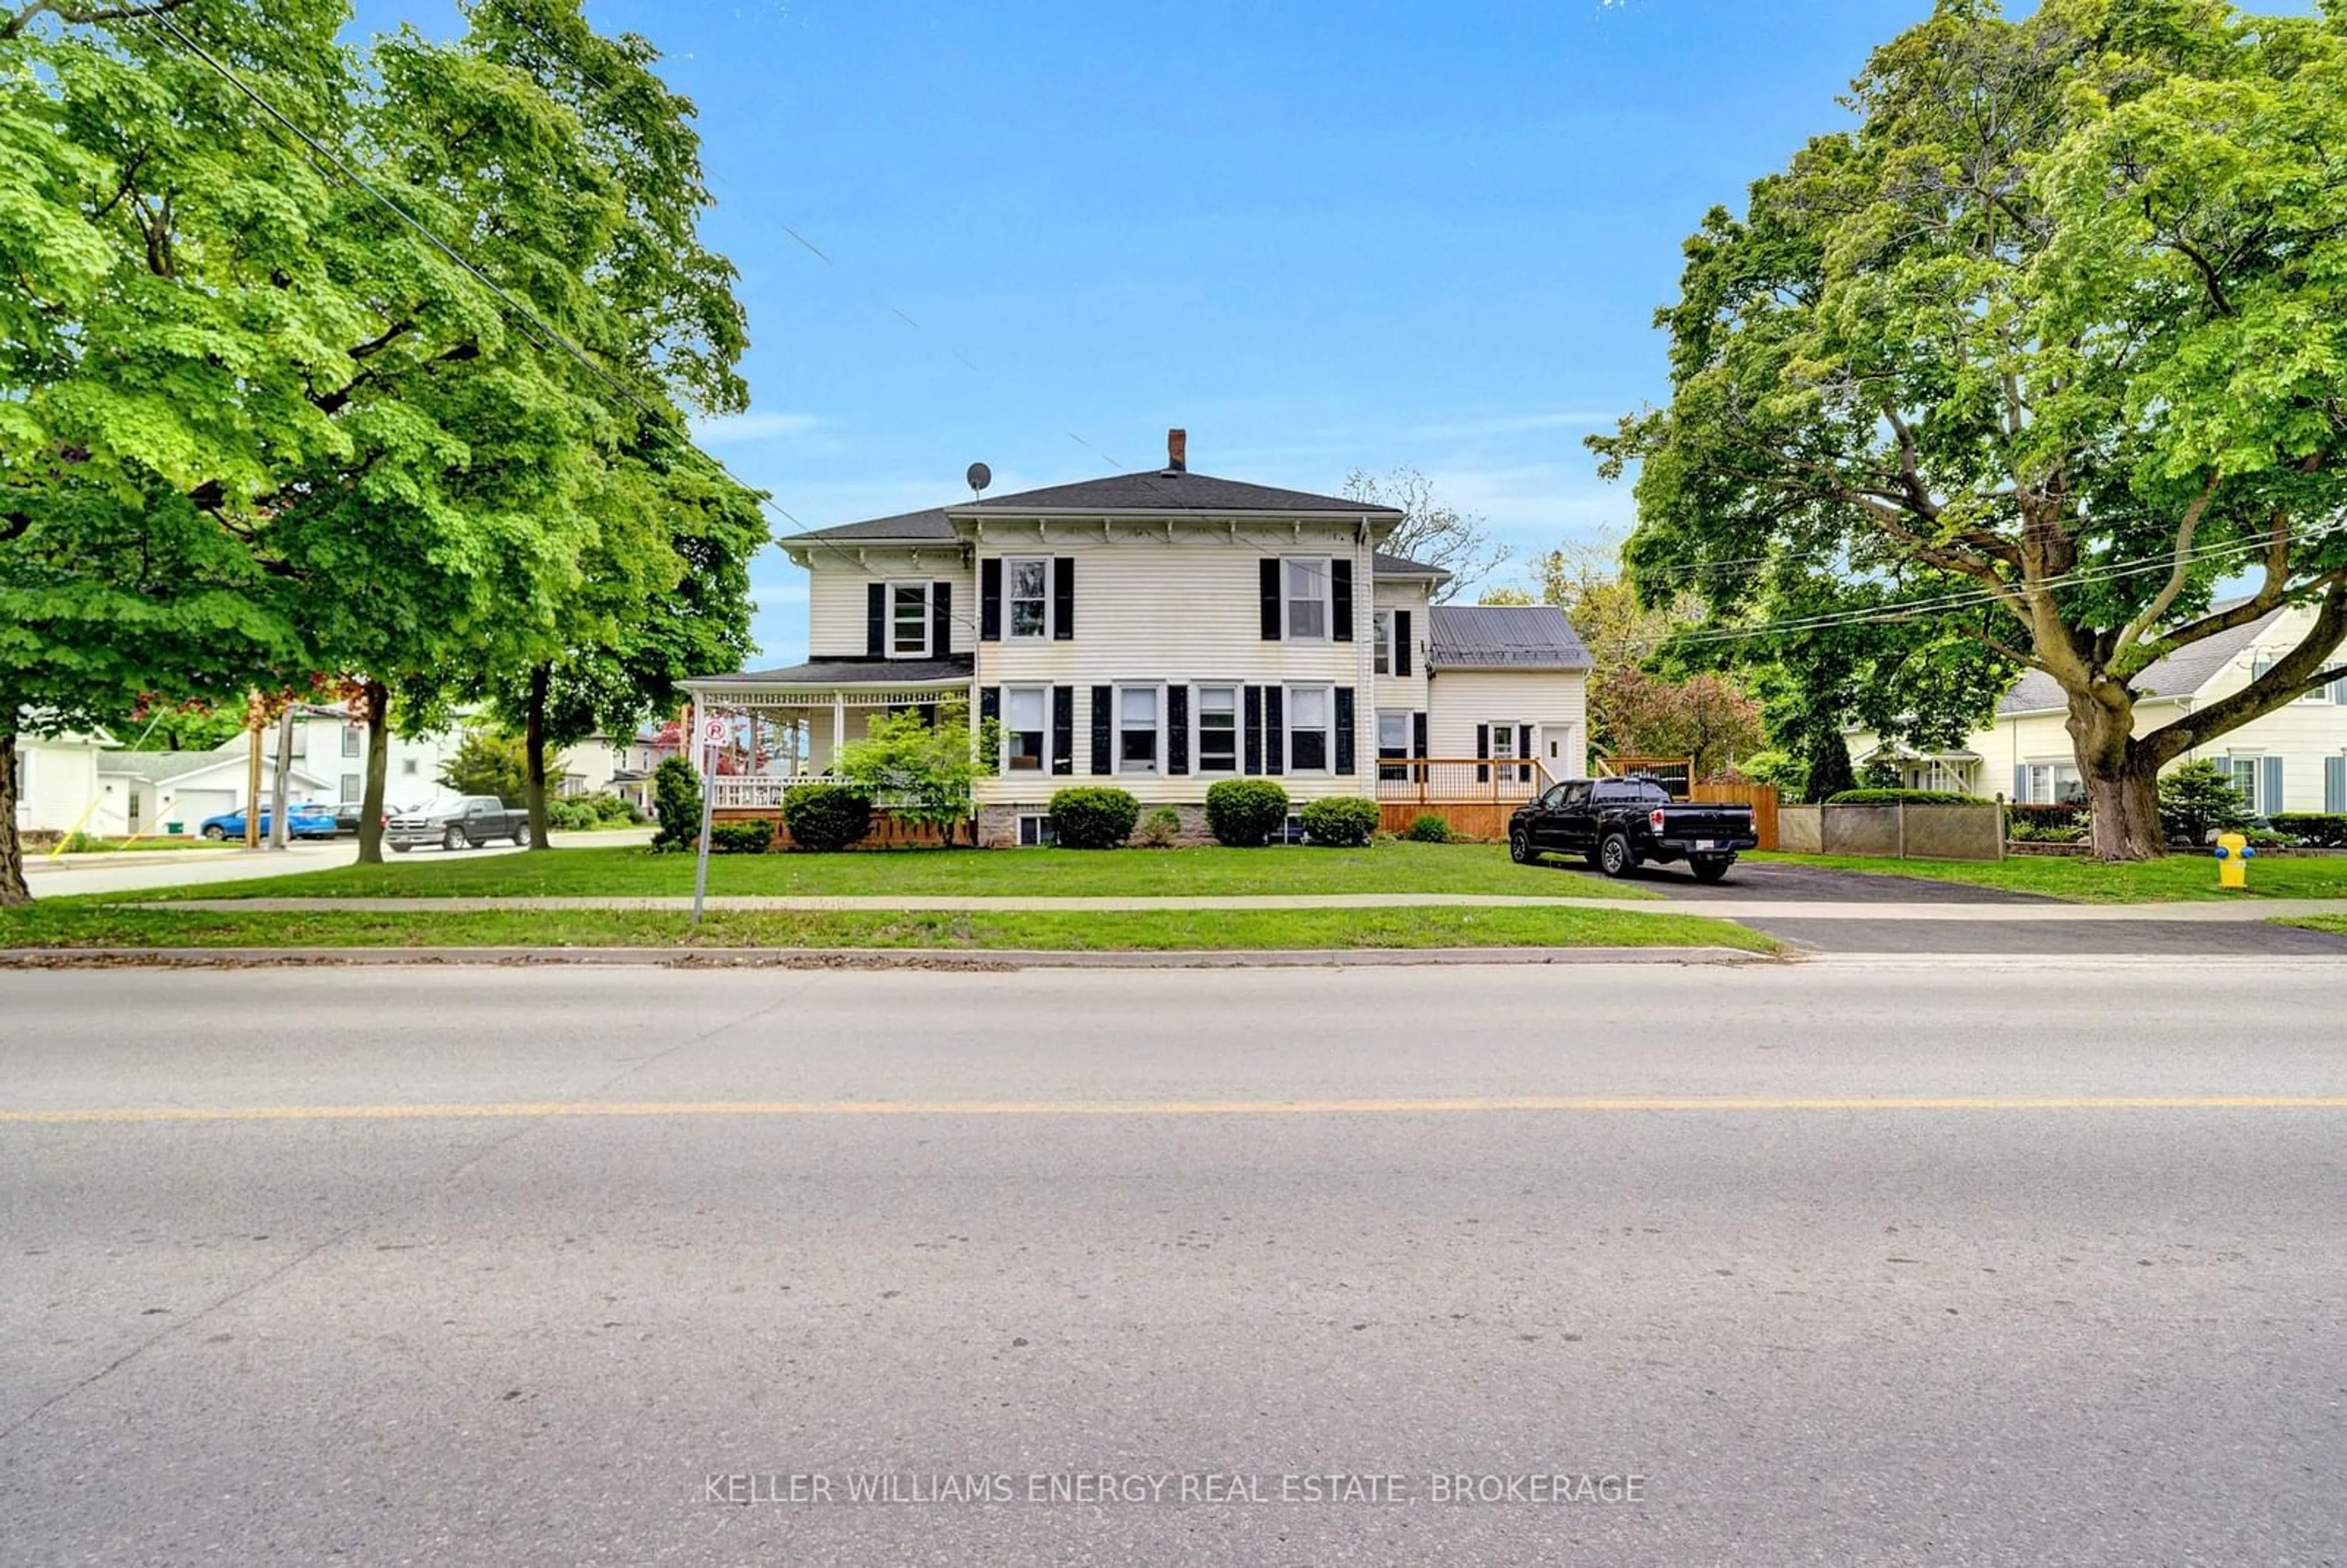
{"x": 1103, "y": 699}
{"x": 1063, "y": 600}
{"x": 989, "y": 710}
{"x": 876, "y": 620}
{"x": 989, "y": 600}
{"x": 1063, "y": 729}
{"x": 1275, "y": 730}
{"x": 1524, "y": 749}
{"x": 941, "y": 620}
{"x": 1482, "y": 749}
{"x": 1417, "y": 742}
{"x": 1340, "y": 599}
{"x": 1401, "y": 647}
{"x": 1344, "y": 730}
{"x": 1178, "y": 728}
{"x": 1271, "y": 598}
{"x": 1253, "y": 723}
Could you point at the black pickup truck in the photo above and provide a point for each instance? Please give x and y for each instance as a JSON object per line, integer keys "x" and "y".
{"x": 1616, "y": 823}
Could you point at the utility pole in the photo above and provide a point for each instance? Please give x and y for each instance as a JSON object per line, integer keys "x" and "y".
{"x": 281, "y": 831}
{"x": 253, "y": 721}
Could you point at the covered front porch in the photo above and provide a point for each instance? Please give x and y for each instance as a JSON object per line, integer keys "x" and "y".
{"x": 790, "y": 724}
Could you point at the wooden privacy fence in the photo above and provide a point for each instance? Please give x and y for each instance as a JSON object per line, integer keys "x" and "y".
{"x": 1761, "y": 799}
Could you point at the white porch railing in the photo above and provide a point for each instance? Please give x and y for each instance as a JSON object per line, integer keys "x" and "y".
{"x": 754, "y": 792}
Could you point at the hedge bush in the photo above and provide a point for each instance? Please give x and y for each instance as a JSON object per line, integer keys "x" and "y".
{"x": 1905, "y": 797}
{"x": 1345, "y": 822}
{"x": 1247, "y": 814}
{"x": 1093, "y": 817}
{"x": 826, "y": 819}
{"x": 1428, "y": 827}
{"x": 755, "y": 836}
{"x": 2322, "y": 829}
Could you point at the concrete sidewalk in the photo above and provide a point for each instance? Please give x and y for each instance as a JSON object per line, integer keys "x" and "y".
{"x": 2214, "y": 910}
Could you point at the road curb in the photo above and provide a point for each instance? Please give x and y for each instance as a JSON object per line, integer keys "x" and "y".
{"x": 979, "y": 960}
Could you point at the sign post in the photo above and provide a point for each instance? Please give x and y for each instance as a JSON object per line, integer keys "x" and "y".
{"x": 713, "y": 731}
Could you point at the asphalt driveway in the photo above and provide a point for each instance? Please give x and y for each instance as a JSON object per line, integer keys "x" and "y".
{"x": 1750, "y": 880}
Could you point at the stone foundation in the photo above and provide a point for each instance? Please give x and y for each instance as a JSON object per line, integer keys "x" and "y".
{"x": 998, "y": 825}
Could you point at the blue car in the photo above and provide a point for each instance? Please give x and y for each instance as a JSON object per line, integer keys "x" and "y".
{"x": 301, "y": 822}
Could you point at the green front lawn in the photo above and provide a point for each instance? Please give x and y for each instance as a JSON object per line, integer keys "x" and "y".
{"x": 2334, "y": 924}
{"x": 2180, "y": 876}
{"x": 89, "y": 845}
{"x": 627, "y": 872}
{"x": 83, "y": 924}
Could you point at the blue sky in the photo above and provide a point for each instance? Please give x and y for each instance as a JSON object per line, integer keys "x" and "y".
{"x": 1319, "y": 237}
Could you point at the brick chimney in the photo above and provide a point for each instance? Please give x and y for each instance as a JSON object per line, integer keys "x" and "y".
{"x": 1177, "y": 451}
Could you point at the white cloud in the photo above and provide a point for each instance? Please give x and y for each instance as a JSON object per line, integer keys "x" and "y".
{"x": 740, "y": 429}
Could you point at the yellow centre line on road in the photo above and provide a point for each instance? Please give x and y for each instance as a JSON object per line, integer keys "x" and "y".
{"x": 853, "y": 1108}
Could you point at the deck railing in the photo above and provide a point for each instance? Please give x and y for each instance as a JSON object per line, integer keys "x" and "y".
{"x": 1438, "y": 780}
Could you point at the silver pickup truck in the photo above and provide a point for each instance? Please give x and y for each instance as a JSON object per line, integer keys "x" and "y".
{"x": 456, "y": 822}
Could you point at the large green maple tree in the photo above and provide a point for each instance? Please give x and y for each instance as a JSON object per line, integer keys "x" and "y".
{"x": 2052, "y": 338}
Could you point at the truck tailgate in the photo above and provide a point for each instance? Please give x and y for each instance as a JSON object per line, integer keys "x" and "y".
{"x": 1701, "y": 820}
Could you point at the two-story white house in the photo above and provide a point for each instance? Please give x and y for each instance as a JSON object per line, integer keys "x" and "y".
{"x": 1160, "y": 632}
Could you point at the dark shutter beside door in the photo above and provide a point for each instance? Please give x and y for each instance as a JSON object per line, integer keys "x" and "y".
{"x": 989, "y": 708}
{"x": 1524, "y": 749}
{"x": 1271, "y": 598}
{"x": 1177, "y": 730}
{"x": 1482, "y": 749}
{"x": 1252, "y": 721}
{"x": 1402, "y": 649}
{"x": 1340, "y": 599}
{"x": 1274, "y": 730}
{"x": 1063, "y": 600}
{"x": 1103, "y": 699}
{"x": 1063, "y": 729}
{"x": 989, "y": 600}
{"x": 941, "y": 620}
{"x": 1344, "y": 730}
{"x": 876, "y": 620}
{"x": 1417, "y": 742}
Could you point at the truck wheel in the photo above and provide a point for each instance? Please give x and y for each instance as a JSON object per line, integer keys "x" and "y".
{"x": 401, "y": 849}
{"x": 1616, "y": 857}
{"x": 1711, "y": 867}
{"x": 521, "y": 838}
{"x": 453, "y": 839}
{"x": 1519, "y": 847}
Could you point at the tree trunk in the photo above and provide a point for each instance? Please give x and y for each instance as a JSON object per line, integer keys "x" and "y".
{"x": 2122, "y": 780}
{"x": 534, "y": 747}
{"x": 13, "y": 890}
{"x": 378, "y": 767}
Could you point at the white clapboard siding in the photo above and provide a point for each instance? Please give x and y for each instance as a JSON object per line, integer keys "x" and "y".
{"x": 839, "y": 582}
{"x": 1462, "y": 699}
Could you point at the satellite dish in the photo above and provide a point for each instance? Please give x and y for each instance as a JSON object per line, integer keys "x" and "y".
{"x": 979, "y": 477}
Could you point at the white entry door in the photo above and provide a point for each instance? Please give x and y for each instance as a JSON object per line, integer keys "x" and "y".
{"x": 1560, "y": 751}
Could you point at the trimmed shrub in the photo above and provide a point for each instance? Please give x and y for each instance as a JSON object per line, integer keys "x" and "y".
{"x": 1905, "y": 797}
{"x": 1343, "y": 823}
{"x": 1163, "y": 830}
{"x": 826, "y": 819}
{"x": 1092, "y": 816}
{"x": 2267, "y": 838}
{"x": 676, "y": 801}
{"x": 755, "y": 836}
{"x": 1428, "y": 827}
{"x": 2323, "y": 830}
{"x": 572, "y": 815}
{"x": 2021, "y": 830}
{"x": 2198, "y": 800}
{"x": 1247, "y": 814}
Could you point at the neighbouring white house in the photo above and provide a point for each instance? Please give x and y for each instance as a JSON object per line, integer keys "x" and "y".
{"x": 57, "y": 784}
{"x": 147, "y": 793}
{"x": 1160, "y": 632}
{"x": 2292, "y": 760}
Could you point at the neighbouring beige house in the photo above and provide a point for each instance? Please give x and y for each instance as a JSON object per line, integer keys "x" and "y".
{"x": 2292, "y": 760}
{"x": 1160, "y": 632}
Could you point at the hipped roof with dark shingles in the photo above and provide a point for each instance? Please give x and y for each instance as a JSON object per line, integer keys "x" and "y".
{"x": 1502, "y": 637}
{"x": 858, "y": 672}
{"x": 1146, "y": 494}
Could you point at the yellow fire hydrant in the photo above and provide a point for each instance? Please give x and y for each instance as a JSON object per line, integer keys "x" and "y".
{"x": 2233, "y": 858}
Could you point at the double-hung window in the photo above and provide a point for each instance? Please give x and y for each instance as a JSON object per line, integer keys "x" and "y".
{"x": 1383, "y": 661}
{"x": 354, "y": 740}
{"x": 1027, "y": 596}
{"x": 2245, "y": 779}
{"x": 1138, "y": 747}
{"x": 909, "y": 619}
{"x": 1218, "y": 729}
{"x": 1026, "y": 730}
{"x": 1393, "y": 743}
{"x": 1307, "y": 729}
{"x": 2055, "y": 784}
{"x": 1306, "y": 589}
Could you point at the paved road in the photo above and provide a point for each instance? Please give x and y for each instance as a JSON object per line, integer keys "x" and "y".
{"x": 1145, "y": 1224}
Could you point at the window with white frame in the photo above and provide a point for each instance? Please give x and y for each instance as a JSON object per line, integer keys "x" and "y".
{"x": 1307, "y": 729}
{"x": 1035, "y": 832}
{"x": 1393, "y": 743}
{"x": 1137, "y": 739}
{"x": 1308, "y": 598}
{"x": 1026, "y": 729}
{"x": 1218, "y": 730}
{"x": 1027, "y": 593}
{"x": 354, "y": 740}
{"x": 1382, "y": 659}
{"x": 2246, "y": 772}
{"x": 909, "y": 619}
{"x": 353, "y": 786}
{"x": 2055, "y": 784}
